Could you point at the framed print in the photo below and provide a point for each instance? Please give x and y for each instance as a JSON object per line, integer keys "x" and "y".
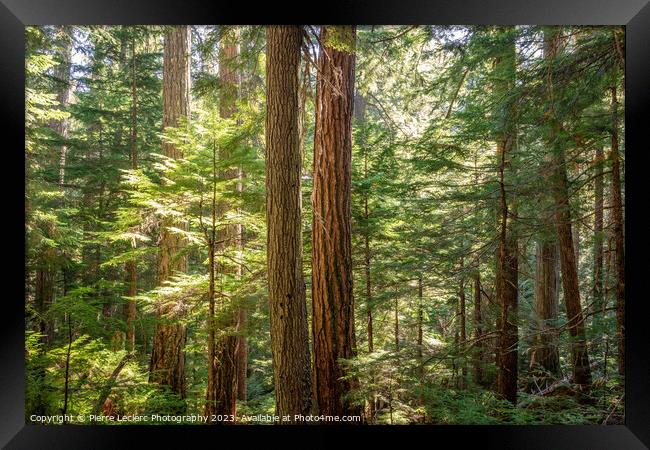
{"x": 413, "y": 218}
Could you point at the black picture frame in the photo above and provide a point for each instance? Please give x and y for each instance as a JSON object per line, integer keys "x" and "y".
{"x": 634, "y": 14}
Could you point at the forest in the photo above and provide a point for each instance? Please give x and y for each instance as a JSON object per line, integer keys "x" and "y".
{"x": 370, "y": 225}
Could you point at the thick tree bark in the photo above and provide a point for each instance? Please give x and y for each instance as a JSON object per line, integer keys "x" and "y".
{"x": 507, "y": 267}
{"x": 332, "y": 301}
{"x": 167, "y": 365}
{"x": 287, "y": 303}
{"x": 560, "y": 189}
{"x": 619, "y": 240}
{"x": 545, "y": 352}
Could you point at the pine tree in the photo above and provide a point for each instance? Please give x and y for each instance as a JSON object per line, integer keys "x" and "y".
{"x": 507, "y": 257}
{"x": 332, "y": 301}
{"x": 167, "y": 365}
{"x": 580, "y": 357}
{"x": 287, "y": 305}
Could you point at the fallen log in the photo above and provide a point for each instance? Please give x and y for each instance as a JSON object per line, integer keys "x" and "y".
{"x": 106, "y": 390}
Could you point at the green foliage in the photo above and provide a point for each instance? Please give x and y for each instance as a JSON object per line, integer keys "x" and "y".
{"x": 424, "y": 205}
{"x": 91, "y": 364}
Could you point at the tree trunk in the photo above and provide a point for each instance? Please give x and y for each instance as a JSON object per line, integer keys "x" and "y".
{"x": 598, "y": 235}
{"x": 619, "y": 240}
{"x": 420, "y": 343}
{"x": 545, "y": 352}
{"x": 226, "y": 377}
{"x": 46, "y": 268}
{"x": 478, "y": 330}
{"x": 396, "y": 323}
{"x": 44, "y": 295}
{"x": 66, "y": 385}
{"x": 62, "y": 74}
{"x": 131, "y": 309}
{"x": 575, "y": 229}
{"x": 287, "y": 303}
{"x": 332, "y": 301}
{"x": 507, "y": 269}
{"x": 463, "y": 329}
{"x": 106, "y": 389}
{"x": 167, "y": 365}
{"x": 368, "y": 283}
{"x": 211, "y": 389}
{"x": 132, "y": 267}
{"x": 570, "y": 286}
{"x": 224, "y": 362}
{"x": 359, "y": 115}
{"x": 420, "y": 320}
{"x": 241, "y": 349}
